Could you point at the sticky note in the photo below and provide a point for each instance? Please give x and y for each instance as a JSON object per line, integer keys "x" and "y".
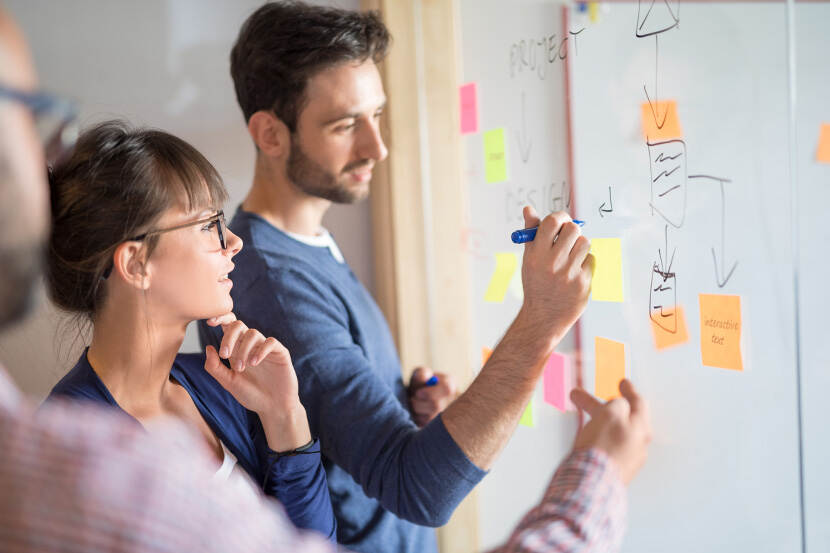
{"x": 527, "y": 416}
{"x": 556, "y": 380}
{"x": 607, "y": 284}
{"x": 469, "y": 108}
{"x": 495, "y": 159}
{"x": 610, "y": 367}
{"x": 505, "y": 267}
{"x": 720, "y": 331}
{"x": 823, "y": 150}
{"x": 664, "y": 114}
{"x": 516, "y": 288}
{"x": 593, "y": 11}
{"x": 669, "y": 327}
{"x": 485, "y": 355}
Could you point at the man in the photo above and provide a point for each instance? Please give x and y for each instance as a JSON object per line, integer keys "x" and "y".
{"x": 77, "y": 479}
{"x": 307, "y": 82}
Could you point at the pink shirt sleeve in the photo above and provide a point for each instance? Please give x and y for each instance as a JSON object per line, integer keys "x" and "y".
{"x": 583, "y": 510}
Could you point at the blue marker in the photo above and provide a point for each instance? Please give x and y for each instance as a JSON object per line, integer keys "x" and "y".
{"x": 528, "y": 234}
{"x": 433, "y": 380}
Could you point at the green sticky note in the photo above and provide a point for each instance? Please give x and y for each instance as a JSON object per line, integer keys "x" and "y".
{"x": 607, "y": 284}
{"x": 495, "y": 157}
{"x": 505, "y": 267}
{"x": 527, "y": 416}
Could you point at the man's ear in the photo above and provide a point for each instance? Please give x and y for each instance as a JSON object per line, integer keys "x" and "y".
{"x": 270, "y": 134}
{"x": 130, "y": 264}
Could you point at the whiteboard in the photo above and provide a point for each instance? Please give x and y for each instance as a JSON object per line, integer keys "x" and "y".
{"x": 723, "y": 471}
{"x": 520, "y": 84}
{"x": 812, "y": 90}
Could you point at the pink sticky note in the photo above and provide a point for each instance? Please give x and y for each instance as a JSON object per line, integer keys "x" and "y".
{"x": 469, "y": 108}
{"x": 557, "y": 381}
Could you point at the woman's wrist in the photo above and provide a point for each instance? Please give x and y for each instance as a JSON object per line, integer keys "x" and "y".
{"x": 286, "y": 429}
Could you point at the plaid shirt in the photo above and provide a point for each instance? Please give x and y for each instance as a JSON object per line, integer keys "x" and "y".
{"x": 74, "y": 478}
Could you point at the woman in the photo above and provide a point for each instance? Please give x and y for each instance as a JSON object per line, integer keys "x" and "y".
{"x": 139, "y": 247}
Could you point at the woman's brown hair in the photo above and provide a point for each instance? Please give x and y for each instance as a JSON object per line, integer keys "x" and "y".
{"x": 116, "y": 185}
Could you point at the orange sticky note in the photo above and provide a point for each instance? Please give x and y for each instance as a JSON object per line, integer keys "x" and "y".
{"x": 660, "y": 121}
{"x": 485, "y": 355}
{"x": 720, "y": 331}
{"x": 669, "y": 327}
{"x": 610, "y": 367}
{"x": 823, "y": 150}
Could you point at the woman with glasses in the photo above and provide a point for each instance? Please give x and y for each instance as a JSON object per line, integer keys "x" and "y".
{"x": 139, "y": 249}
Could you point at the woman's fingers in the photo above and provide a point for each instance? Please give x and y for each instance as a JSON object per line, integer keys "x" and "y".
{"x": 245, "y": 344}
{"x": 232, "y": 333}
{"x": 263, "y": 350}
{"x": 227, "y": 318}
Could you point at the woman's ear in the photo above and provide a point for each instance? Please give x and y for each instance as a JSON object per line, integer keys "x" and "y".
{"x": 270, "y": 134}
{"x": 129, "y": 262}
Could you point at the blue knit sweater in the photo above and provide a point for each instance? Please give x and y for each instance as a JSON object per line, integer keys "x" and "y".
{"x": 389, "y": 481}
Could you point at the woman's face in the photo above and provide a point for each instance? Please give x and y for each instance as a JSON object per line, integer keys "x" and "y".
{"x": 189, "y": 270}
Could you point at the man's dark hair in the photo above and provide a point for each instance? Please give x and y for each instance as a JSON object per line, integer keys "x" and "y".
{"x": 283, "y": 44}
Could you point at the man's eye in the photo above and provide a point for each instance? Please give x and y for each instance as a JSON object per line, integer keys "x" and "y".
{"x": 209, "y": 226}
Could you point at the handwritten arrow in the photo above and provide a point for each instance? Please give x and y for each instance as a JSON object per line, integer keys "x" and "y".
{"x": 610, "y": 201}
{"x": 525, "y": 143}
{"x": 656, "y": 98}
{"x": 666, "y": 283}
{"x": 721, "y": 275}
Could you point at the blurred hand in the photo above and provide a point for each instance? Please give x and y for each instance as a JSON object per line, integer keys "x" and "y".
{"x": 620, "y": 428}
{"x": 262, "y": 379}
{"x": 426, "y": 402}
{"x": 556, "y": 273}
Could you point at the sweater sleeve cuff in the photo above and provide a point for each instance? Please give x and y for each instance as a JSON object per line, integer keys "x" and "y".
{"x": 450, "y": 451}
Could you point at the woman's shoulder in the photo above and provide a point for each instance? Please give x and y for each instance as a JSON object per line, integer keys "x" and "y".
{"x": 190, "y": 368}
{"x": 81, "y": 382}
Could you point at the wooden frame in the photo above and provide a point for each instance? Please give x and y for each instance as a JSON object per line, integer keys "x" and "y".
{"x": 418, "y": 204}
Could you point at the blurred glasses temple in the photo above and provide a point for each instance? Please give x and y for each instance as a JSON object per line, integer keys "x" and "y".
{"x": 55, "y": 119}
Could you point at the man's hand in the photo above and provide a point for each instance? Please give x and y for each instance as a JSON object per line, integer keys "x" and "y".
{"x": 556, "y": 274}
{"x": 620, "y": 428}
{"x": 426, "y": 401}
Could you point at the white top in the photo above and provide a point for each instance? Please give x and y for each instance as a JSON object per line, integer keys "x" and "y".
{"x": 233, "y": 474}
{"x": 322, "y": 240}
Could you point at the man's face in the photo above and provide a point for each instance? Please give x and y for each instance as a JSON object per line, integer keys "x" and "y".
{"x": 337, "y": 141}
{"x": 24, "y": 209}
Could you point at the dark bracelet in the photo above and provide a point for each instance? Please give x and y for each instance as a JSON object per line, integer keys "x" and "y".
{"x": 302, "y": 450}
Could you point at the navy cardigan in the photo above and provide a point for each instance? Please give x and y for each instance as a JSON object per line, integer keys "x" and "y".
{"x": 298, "y": 482}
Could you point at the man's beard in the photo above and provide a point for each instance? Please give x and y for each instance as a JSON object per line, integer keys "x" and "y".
{"x": 21, "y": 271}
{"x": 314, "y": 180}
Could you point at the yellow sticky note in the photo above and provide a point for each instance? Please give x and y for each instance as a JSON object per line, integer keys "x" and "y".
{"x": 527, "y": 416}
{"x": 720, "y": 331}
{"x": 505, "y": 267}
{"x": 610, "y": 367}
{"x": 607, "y": 284}
{"x": 485, "y": 355}
{"x": 495, "y": 158}
{"x": 823, "y": 150}
{"x": 669, "y": 327}
{"x": 593, "y": 11}
{"x": 660, "y": 121}
{"x": 516, "y": 287}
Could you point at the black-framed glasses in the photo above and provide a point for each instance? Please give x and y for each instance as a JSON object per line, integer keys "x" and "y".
{"x": 54, "y": 119}
{"x": 217, "y": 219}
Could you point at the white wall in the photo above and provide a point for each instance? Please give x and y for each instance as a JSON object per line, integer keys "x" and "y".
{"x": 162, "y": 63}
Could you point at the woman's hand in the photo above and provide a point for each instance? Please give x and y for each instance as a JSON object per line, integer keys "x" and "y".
{"x": 262, "y": 379}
